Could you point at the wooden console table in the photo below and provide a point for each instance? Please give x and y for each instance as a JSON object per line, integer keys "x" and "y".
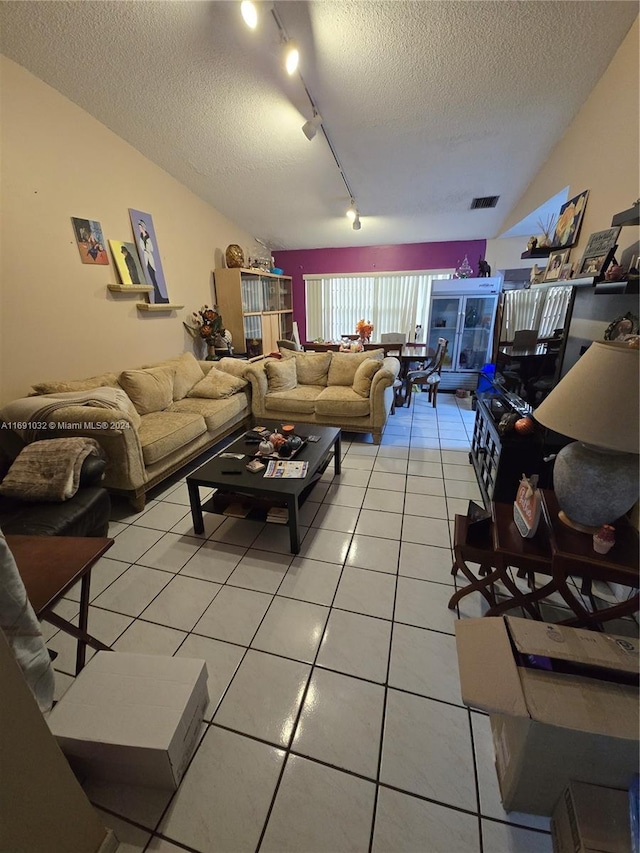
{"x": 556, "y": 552}
{"x": 49, "y": 566}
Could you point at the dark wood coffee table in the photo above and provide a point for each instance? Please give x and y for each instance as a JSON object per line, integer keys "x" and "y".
{"x": 234, "y": 484}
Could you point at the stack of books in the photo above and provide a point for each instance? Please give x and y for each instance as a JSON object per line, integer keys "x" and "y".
{"x": 279, "y": 514}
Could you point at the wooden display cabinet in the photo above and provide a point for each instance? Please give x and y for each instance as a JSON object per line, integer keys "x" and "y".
{"x": 256, "y": 307}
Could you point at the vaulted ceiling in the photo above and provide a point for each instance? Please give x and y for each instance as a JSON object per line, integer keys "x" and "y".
{"x": 426, "y": 104}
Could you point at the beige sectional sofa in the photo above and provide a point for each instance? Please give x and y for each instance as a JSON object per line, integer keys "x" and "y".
{"x": 353, "y": 391}
{"x": 150, "y": 421}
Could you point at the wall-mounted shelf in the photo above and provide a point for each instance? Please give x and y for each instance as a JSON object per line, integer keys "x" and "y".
{"x": 627, "y": 217}
{"x": 130, "y": 288}
{"x": 537, "y": 253}
{"x": 160, "y": 306}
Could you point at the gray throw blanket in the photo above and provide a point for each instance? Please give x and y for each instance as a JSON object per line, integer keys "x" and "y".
{"x": 48, "y": 470}
{"x": 27, "y": 413}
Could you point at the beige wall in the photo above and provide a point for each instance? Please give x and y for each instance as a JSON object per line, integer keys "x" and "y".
{"x": 57, "y": 319}
{"x": 599, "y": 152}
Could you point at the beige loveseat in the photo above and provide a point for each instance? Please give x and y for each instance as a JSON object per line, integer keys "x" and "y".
{"x": 155, "y": 419}
{"x": 353, "y": 391}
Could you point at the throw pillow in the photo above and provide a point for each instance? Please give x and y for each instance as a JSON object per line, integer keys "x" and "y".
{"x": 342, "y": 370}
{"x": 364, "y": 376}
{"x": 149, "y": 390}
{"x": 188, "y": 373}
{"x": 216, "y": 385}
{"x": 281, "y": 375}
{"x": 311, "y": 367}
{"x": 61, "y": 387}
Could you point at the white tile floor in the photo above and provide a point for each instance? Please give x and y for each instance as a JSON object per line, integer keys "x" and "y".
{"x": 335, "y": 721}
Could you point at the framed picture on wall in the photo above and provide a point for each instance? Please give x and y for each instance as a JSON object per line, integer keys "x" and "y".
{"x": 569, "y": 221}
{"x": 149, "y": 255}
{"x": 90, "y": 241}
{"x": 557, "y": 260}
{"x": 125, "y": 256}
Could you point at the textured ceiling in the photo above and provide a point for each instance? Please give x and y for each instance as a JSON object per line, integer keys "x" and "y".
{"x": 427, "y": 104}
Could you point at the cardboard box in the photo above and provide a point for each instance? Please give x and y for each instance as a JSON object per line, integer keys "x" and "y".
{"x": 133, "y": 718}
{"x": 575, "y": 719}
{"x": 591, "y": 819}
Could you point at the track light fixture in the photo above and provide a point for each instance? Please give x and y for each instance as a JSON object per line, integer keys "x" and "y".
{"x": 291, "y": 61}
{"x": 292, "y": 57}
{"x": 249, "y": 13}
{"x": 310, "y": 128}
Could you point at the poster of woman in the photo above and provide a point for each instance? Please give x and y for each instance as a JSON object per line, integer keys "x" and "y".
{"x": 149, "y": 255}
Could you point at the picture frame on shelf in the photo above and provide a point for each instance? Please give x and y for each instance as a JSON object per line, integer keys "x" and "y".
{"x": 566, "y": 272}
{"x": 595, "y": 265}
{"x": 622, "y": 328}
{"x": 600, "y": 242}
{"x": 557, "y": 260}
{"x": 569, "y": 221}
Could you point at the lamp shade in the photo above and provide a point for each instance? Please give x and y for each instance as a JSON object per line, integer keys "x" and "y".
{"x": 597, "y": 401}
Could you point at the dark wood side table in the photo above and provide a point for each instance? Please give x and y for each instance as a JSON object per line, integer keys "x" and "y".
{"x": 556, "y": 552}
{"x": 572, "y": 554}
{"x": 49, "y": 566}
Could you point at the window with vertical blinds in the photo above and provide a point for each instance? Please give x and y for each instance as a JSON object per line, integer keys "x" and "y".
{"x": 392, "y": 301}
{"x": 541, "y": 308}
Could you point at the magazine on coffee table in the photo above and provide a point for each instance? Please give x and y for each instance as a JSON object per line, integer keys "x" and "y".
{"x": 286, "y": 470}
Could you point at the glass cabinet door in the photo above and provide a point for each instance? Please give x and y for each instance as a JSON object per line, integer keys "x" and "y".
{"x": 443, "y": 323}
{"x": 475, "y": 339}
{"x": 253, "y": 335}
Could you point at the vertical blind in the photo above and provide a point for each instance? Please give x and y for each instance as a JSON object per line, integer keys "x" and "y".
{"x": 540, "y": 308}
{"x": 393, "y": 302}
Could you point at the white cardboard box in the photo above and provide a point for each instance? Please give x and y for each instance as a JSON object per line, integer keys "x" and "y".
{"x": 133, "y": 718}
{"x": 563, "y": 705}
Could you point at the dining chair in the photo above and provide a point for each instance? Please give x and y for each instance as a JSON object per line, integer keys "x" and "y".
{"x": 429, "y": 374}
{"x": 525, "y": 338}
{"x": 393, "y": 338}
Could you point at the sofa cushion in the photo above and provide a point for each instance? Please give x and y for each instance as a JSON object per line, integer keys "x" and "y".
{"x": 300, "y": 400}
{"x": 342, "y": 369}
{"x": 216, "y": 413}
{"x": 162, "y": 433}
{"x": 101, "y": 381}
{"x": 281, "y": 375}
{"x": 233, "y": 366}
{"x": 337, "y": 401}
{"x": 364, "y": 376}
{"x": 311, "y": 367}
{"x": 187, "y": 373}
{"x": 150, "y": 390}
{"x": 217, "y": 385}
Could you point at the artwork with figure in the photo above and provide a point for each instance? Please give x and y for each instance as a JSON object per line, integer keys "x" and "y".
{"x": 149, "y": 255}
{"x": 90, "y": 241}
{"x": 126, "y": 260}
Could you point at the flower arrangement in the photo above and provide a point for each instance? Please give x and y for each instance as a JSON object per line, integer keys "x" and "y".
{"x": 207, "y": 324}
{"x": 364, "y": 328}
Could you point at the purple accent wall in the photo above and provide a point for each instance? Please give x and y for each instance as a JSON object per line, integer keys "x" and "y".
{"x": 409, "y": 256}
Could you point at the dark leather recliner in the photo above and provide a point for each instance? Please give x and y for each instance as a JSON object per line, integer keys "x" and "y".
{"x": 85, "y": 514}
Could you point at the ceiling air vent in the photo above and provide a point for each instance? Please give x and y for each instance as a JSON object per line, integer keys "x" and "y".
{"x": 484, "y": 202}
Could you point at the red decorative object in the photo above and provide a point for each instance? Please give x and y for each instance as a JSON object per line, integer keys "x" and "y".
{"x": 524, "y": 426}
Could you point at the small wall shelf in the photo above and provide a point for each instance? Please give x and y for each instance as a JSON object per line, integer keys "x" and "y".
{"x": 129, "y": 288}
{"x": 537, "y": 253}
{"x": 160, "y": 306}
